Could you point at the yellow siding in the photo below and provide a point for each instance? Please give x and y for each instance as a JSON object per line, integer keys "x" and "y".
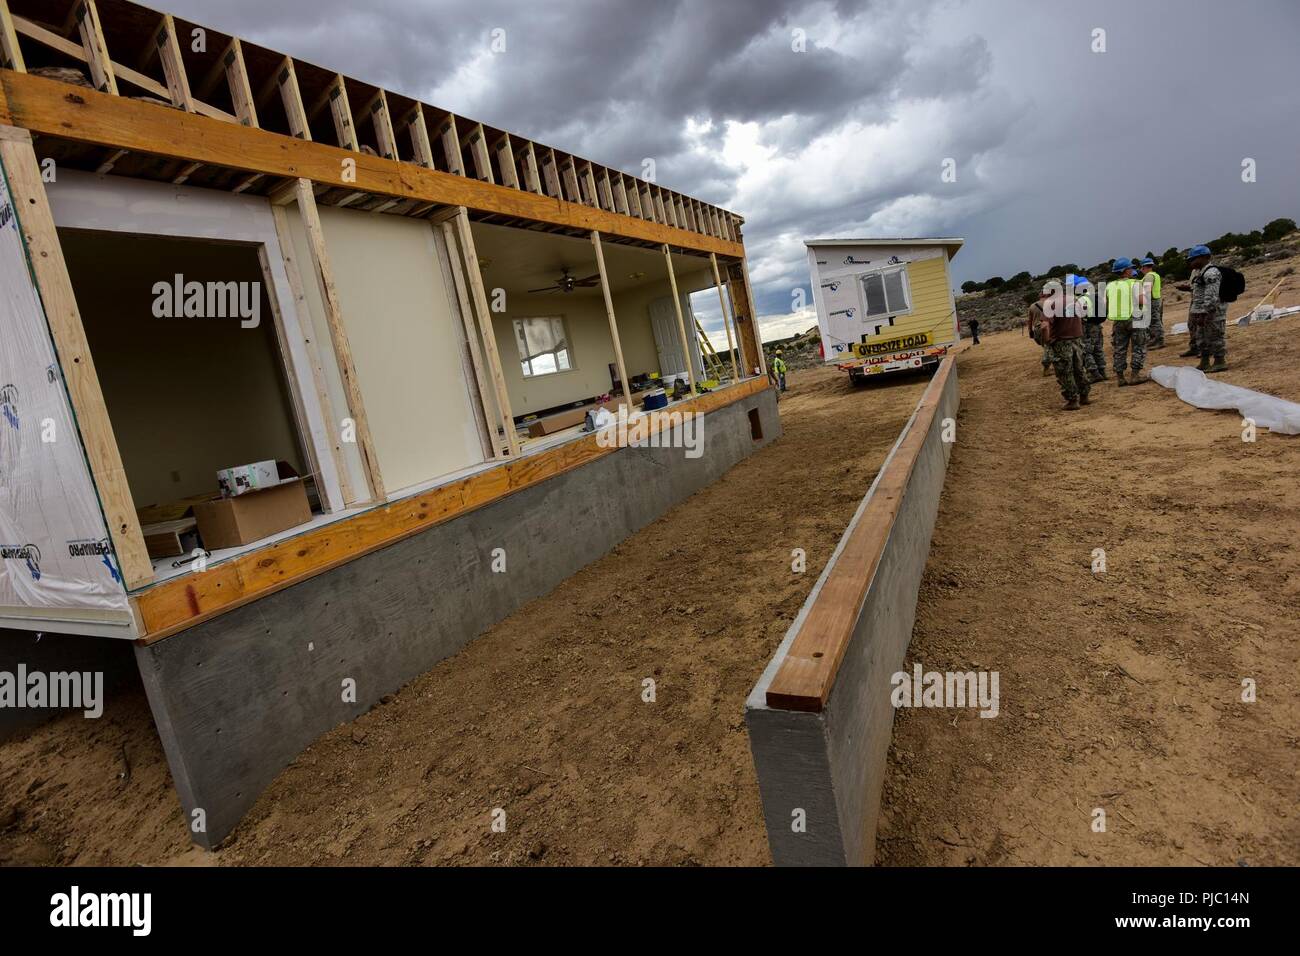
{"x": 931, "y": 304}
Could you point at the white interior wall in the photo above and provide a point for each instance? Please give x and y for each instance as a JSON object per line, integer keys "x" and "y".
{"x": 405, "y": 344}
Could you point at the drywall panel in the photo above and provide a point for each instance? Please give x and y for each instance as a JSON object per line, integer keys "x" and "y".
{"x": 317, "y": 328}
{"x": 54, "y": 547}
{"x": 402, "y": 329}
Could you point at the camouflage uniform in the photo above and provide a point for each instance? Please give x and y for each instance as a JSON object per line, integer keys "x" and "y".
{"x": 1071, "y": 373}
{"x": 1094, "y": 343}
{"x": 1208, "y": 313}
{"x": 1123, "y": 338}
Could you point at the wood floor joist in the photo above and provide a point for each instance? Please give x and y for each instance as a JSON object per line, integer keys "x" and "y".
{"x": 172, "y": 606}
{"x": 51, "y": 108}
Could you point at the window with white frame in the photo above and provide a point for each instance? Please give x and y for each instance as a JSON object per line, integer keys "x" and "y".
{"x": 885, "y": 292}
{"x": 543, "y": 346}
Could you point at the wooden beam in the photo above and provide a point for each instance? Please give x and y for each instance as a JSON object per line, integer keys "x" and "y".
{"x": 722, "y": 307}
{"x": 806, "y": 675}
{"x": 551, "y": 175}
{"x": 241, "y": 93}
{"x": 753, "y": 311}
{"x": 506, "y": 162}
{"x": 345, "y": 133}
{"x": 532, "y": 178}
{"x": 478, "y": 152}
{"x": 50, "y": 271}
{"x": 613, "y": 322}
{"x": 681, "y": 322}
{"x": 86, "y": 15}
{"x": 497, "y": 424}
{"x": 182, "y": 602}
{"x": 469, "y": 256}
{"x": 383, "y": 124}
{"x": 421, "y": 146}
{"x": 289, "y": 256}
{"x": 11, "y": 54}
{"x": 56, "y": 109}
{"x": 169, "y": 52}
{"x": 338, "y": 334}
{"x": 451, "y": 146}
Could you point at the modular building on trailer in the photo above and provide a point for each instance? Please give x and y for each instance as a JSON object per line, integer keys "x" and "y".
{"x": 883, "y": 305}
{"x": 222, "y": 261}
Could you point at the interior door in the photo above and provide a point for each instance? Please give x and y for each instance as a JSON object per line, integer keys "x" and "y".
{"x": 668, "y": 343}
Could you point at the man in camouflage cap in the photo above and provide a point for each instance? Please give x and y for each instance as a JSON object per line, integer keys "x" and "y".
{"x": 1207, "y": 313}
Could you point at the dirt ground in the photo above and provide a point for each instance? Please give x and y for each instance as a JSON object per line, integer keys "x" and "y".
{"x": 542, "y": 716}
{"x": 1119, "y": 691}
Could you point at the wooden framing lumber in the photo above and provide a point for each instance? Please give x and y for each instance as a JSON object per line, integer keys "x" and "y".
{"x": 526, "y": 156}
{"x": 479, "y": 300}
{"x": 681, "y": 322}
{"x": 613, "y": 322}
{"x": 506, "y": 162}
{"x": 11, "y": 54}
{"x": 69, "y": 336}
{"x": 722, "y": 307}
{"x": 294, "y": 275}
{"x": 476, "y": 142}
{"x": 86, "y": 15}
{"x": 173, "y": 605}
{"x": 500, "y": 428}
{"x": 753, "y": 314}
{"x": 345, "y": 132}
{"x": 450, "y": 140}
{"x": 51, "y": 108}
{"x": 338, "y": 334}
{"x": 551, "y": 175}
{"x": 421, "y": 145}
{"x": 806, "y": 676}
{"x": 286, "y": 80}
{"x": 169, "y": 52}
{"x": 383, "y": 124}
{"x": 241, "y": 93}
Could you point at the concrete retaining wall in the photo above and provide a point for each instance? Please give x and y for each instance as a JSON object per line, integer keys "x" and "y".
{"x": 239, "y": 697}
{"x": 830, "y": 764}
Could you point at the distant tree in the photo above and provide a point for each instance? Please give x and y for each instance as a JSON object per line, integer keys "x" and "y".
{"x": 971, "y": 286}
{"x": 1019, "y": 279}
{"x": 994, "y": 282}
{"x": 1278, "y": 228}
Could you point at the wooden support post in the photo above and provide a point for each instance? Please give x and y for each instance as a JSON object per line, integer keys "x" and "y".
{"x": 681, "y": 322}
{"x": 569, "y": 174}
{"x": 451, "y": 145}
{"x": 506, "y": 162}
{"x": 478, "y": 152}
{"x": 345, "y": 132}
{"x": 551, "y": 175}
{"x": 338, "y": 334}
{"x": 421, "y": 147}
{"x": 753, "y": 314}
{"x": 294, "y": 274}
{"x": 102, "y": 77}
{"x": 500, "y": 429}
{"x": 633, "y": 197}
{"x": 613, "y": 322}
{"x": 11, "y": 54}
{"x": 383, "y": 124}
{"x": 169, "y": 52}
{"x": 469, "y": 256}
{"x": 59, "y": 303}
{"x": 527, "y": 156}
{"x": 722, "y": 305}
{"x": 241, "y": 93}
{"x": 287, "y": 80}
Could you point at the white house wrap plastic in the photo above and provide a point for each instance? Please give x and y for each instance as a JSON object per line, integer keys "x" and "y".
{"x": 1193, "y": 387}
{"x": 54, "y": 548}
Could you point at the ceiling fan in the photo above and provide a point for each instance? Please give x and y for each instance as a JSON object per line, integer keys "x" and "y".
{"x": 567, "y": 283}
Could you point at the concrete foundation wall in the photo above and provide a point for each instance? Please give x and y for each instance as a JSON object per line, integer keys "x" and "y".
{"x": 239, "y": 697}
{"x": 831, "y": 764}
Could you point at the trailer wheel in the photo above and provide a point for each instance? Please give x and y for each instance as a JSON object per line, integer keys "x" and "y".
{"x": 856, "y": 378}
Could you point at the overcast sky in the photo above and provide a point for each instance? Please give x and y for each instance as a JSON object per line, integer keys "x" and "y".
{"x": 1061, "y": 154}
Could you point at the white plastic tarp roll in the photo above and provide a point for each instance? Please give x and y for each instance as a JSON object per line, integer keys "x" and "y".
{"x": 1195, "y": 388}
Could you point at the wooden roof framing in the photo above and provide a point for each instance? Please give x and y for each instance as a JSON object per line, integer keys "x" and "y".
{"x": 411, "y": 158}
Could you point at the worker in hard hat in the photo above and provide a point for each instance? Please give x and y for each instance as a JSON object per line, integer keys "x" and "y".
{"x": 1150, "y": 280}
{"x": 1208, "y": 312}
{"x": 1128, "y": 332}
{"x": 1061, "y": 329}
{"x": 1094, "y": 342}
{"x": 778, "y": 366}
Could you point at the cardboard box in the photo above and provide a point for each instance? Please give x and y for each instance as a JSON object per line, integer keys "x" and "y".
{"x": 243, "y": 519}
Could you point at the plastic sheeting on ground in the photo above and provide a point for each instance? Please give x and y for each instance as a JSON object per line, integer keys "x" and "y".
{"x": 1196, "y": 388}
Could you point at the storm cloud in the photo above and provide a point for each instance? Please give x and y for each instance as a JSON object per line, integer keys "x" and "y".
{"x": 838, "y": 119}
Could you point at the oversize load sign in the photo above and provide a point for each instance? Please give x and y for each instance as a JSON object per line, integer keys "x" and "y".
{"x": 891, "y": 345}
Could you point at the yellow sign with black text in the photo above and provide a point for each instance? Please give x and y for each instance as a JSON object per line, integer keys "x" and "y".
{"x": 865, "y": 349}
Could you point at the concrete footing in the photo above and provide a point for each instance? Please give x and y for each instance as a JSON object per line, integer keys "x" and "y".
{"x": 820, "y": 773}
{"x": 239, "y": 697}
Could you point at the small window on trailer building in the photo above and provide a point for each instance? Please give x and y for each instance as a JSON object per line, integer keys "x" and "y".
{"x": 886, "y": 292}
{"x": 543, "y": 346}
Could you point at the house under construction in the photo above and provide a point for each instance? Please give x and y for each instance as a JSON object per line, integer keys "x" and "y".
{"x": 214, "y": 254}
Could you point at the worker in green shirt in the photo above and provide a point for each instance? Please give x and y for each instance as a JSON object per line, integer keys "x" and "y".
{"x": 778, "y": 366}
{"x": 1155, "y": 305}
{"x": 1127, "y": 333}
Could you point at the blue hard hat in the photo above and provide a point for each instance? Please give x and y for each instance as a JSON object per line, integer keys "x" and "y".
{"x": 1148, "y": 261}
{"x": 1195, "y": 251}
{"x": 1121, "y": 264}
